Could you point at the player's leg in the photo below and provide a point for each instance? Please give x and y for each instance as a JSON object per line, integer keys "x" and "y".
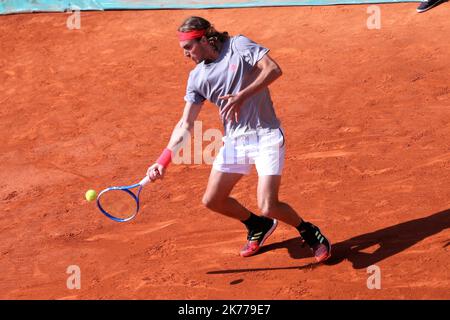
{"x": 217, "y": 195}
{"x": 269, "y": 164}
{"x": 217, "y": 198}
{"x": 270, "y": 206}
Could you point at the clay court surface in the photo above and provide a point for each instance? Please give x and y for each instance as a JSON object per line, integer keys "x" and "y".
{"x": 366, "y": 115}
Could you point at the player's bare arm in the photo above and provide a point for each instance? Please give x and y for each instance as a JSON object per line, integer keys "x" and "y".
{"x": 269, "y": 71}
{"x": 179, "y": 134}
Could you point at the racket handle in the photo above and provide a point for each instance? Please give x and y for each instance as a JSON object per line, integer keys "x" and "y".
{"x": 144, "y": 181}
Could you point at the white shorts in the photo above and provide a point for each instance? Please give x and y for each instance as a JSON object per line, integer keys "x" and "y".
{"x": 264, "y": 149}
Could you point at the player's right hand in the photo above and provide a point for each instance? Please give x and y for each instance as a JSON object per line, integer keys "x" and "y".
{"x": 155, "y": 171}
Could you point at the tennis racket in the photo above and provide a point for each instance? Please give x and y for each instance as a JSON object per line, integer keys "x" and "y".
{"x": 120, "y": 203}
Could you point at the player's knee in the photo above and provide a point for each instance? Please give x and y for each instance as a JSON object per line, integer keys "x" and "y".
{"x": 206, "y": 201}
{"x": 211, "y": 203}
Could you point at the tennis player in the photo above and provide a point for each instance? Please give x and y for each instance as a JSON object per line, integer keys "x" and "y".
{"x": 234, "y": 73}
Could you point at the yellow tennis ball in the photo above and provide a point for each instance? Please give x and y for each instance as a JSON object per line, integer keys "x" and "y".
{"x": 91, "y": 195}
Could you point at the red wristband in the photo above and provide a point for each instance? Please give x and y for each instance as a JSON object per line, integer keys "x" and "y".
{"x": 165, "y": 158}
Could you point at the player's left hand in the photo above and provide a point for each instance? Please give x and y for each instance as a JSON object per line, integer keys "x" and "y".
{"x": 233, "y": 106}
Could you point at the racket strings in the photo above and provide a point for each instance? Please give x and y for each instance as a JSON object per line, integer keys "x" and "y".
{"x": 119, "y": 204}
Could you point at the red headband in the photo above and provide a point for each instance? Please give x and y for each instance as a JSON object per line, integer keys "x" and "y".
{"x": 194, "y": 34}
